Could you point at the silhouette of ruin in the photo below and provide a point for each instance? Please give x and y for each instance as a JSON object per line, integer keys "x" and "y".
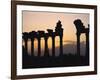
{"x": 52, "y": 61}
{"x": 41, "y": 34}
{"x": 81, "y": 29}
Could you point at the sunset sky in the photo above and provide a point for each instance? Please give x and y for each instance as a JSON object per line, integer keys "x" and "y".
{"x": 47, "y": 20}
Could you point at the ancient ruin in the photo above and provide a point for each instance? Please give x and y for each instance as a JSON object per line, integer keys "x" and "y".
{"x": 58, "y": 32}
{"x": 81, "y": 29}
{"x": 64, "y": 58}
{"x": 41, "y": 34}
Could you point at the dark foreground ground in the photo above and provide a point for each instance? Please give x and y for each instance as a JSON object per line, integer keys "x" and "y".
{"x": 52, "y": 61}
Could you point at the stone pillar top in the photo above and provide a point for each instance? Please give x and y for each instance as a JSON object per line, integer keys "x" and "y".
{"x": 59, "y": 25}
{"x": 59, "y": 29}
{"x": 79, "y": 25}
{"x": 25, "y": 35}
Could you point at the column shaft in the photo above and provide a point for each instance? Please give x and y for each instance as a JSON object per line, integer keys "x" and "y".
{"x": 53, "y": 46}
{"x": 26, "y": 46}
{"x": 32, "y": 47}
{"x": 61, "y": 45}
{"x": 78, "y": 44}
{"x": 46, "y": 53}
{"x": 39, "y": 47}
{"x": 87, "y": 45}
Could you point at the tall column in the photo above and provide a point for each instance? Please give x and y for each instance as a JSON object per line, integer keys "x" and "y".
{"x": 26, "y": 46}
{"x": 61, "y": 45}
{"x": 39, "y": 46}
{"x": 53, "y": 45}
{"x": 46, "y": 53}
{"x": 78, "y": 44}
{"x": 32, "y": 47}
{"x": 87, "y": 45}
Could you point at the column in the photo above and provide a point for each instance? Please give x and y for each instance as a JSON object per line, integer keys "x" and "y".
{"x": 26, "y": 46}
{"x": 32, "y": 47}
{"x": 46, "y": 53}
{"x": 53, "y": 45}
{"x": 61, "y": 45}
{"x": 87, "y": 45}
{"x": 78, "y": 44}
{"x": 39, "y": 46}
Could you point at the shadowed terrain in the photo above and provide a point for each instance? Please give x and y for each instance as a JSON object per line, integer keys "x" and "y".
{"x": 64, "y": 60}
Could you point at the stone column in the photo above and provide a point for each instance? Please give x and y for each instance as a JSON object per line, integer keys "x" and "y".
{"x": 26, "y": 46}
{"x": 53, "y": 45}
{"x": 39, "y": 46}
{"x": 32, "y": 47}
{"x": 61, "y": 45}
{"x": 87, "y": 45}
{"x": 78, "y": 44}
{"x": 46, "y": 53}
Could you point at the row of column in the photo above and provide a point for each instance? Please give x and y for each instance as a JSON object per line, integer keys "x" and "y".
{"x": 46, "y": 51}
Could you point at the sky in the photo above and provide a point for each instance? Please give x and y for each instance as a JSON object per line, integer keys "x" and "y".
{"x": 47, "y": 20}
